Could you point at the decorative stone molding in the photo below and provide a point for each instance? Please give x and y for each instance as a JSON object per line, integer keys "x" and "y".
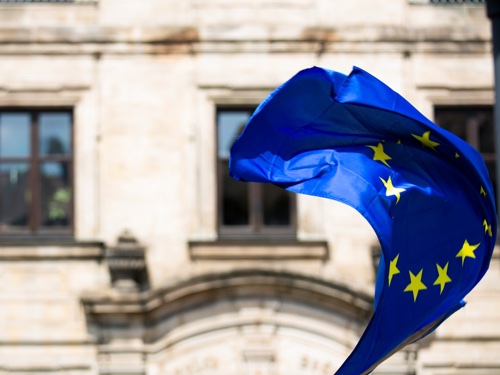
{"x": 127, "y": 265}
{"x": 133, "y": 329}
{"x": 147, "y": 310}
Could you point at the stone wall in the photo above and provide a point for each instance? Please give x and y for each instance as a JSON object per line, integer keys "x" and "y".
{"x": 144, "y": 79}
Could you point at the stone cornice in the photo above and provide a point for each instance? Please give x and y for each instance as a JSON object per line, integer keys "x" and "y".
{"x": 263, "y": 33}
{"x": 208, "y": 39}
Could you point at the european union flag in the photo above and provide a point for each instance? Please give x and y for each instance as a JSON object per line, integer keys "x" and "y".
{"x": 425, "y": 192}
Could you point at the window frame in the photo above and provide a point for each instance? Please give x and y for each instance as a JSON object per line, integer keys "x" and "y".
{"x": 34, "y": 228}
{"x": 256, "y": 229}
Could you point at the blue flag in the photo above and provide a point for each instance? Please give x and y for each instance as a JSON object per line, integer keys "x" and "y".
{"x": 425, "y": 192}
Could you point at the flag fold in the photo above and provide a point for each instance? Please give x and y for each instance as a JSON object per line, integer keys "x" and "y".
{"x": 425, "y": 192}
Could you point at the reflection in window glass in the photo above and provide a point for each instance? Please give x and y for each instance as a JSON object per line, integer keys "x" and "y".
{"x": 14, "y": 134}
{"x": 231, "y": 124}
{"x": 55, "y": 134}
{"x": 55, "y": 194}
{"x": 14, "y": 194}
{"x": 36, "y": 195}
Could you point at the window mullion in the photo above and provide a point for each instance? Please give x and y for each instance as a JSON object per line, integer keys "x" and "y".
{"x": 34, "y": 176}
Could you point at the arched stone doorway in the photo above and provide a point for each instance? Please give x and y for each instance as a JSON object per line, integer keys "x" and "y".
{"x": 246, "y": 322}
{"x": 256, "y": 338}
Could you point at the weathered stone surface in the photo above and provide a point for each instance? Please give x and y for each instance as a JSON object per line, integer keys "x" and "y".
{"x": 144, "y": 79}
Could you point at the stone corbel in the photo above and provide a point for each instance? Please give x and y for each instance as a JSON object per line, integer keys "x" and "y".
{"x": 127, "y": 264}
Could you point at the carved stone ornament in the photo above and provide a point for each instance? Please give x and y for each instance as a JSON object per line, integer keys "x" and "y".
{"x": 127, "y": 265}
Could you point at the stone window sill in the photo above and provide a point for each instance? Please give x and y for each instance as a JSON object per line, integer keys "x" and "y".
{"x": 48, "y": 247}
{"x": 258, "y": 249}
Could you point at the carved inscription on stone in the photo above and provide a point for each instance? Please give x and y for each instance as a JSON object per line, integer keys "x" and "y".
{"x": 314, "y": 366}
{"x": 204, "y": 365}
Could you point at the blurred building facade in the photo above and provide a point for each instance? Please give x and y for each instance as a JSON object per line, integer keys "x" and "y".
{"x": 124, "y": 246}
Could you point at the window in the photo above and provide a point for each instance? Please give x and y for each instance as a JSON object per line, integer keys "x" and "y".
{"x": 248, "y": 208}
{"x": 36, "y": 175}
{"x": 473, "y": 124}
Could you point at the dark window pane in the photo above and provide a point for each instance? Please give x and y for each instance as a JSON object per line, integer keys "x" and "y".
{"x": 486, "y": 132}
{"x": 55, "y": 194}
{"x": 14, "y": 194}
{"x": 235, "y": 199}
{"x": 55, "y": 134}
{"x": 235, "y": 210}
{"x": 15, "y": 135}
{"x": 276, "y": 205}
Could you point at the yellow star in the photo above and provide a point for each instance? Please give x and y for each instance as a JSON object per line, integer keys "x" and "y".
{"x": 391, "y": 190}
{"x": 415, "y": 284}
{"x": 443, "y": 277}
{"x": 467, "y": 250}
{"x": 426, "y": 142}
{"x": 487, "y": 228}
{"x": 393, "y": 269}
{"x": 380, "y": 155}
